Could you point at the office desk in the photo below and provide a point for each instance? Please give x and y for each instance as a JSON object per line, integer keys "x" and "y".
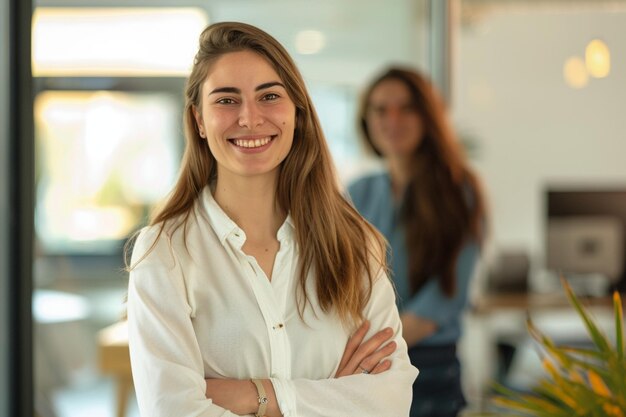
{"x": 491, "y": 303}
{"x": 114, "y": 359}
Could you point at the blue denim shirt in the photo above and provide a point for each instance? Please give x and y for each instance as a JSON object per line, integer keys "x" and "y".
{"x": 372, "y": 197}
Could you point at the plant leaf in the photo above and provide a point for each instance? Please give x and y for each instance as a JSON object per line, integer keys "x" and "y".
{"x": 532, "y": 405}
{"x": 619, "y": 325}
{"x": 596, "y": 335}
{"x": 592, "y": 353}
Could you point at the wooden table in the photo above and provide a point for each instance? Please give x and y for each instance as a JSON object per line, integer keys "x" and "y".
{"x": 489, "y": 303}
{"x": 114, "y": 359}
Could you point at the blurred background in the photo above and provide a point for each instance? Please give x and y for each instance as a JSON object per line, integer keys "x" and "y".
{"x": 536, "y": 90}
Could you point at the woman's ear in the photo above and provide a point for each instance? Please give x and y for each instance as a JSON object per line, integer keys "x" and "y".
{"x": 199, "y": 125}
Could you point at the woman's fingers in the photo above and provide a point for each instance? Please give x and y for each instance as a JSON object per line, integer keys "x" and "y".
{"x": 381, "y": 367}
{"x": 368, "y": 356}
{"x": 368, "y": 347}
{"x": 375, "y": 358}
{"x": 353, "y": 344}
{"x": 367, "y": 350}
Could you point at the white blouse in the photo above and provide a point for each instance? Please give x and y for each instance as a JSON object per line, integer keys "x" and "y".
{"x": 199, "y": 307}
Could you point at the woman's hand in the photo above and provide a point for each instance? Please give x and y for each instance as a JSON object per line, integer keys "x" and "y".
{"x": 366, "y": 357}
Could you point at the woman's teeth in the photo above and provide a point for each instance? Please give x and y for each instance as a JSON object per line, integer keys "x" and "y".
{"x": 252, "y": 143}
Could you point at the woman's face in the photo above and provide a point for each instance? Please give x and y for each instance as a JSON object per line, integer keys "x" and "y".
{"x": 394, "y": 125}
{"x": 247, "y": 117}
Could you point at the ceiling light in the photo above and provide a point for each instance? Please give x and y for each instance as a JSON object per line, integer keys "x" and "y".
{"x": 597, "y": 59}
{"x": 575, "y": 72}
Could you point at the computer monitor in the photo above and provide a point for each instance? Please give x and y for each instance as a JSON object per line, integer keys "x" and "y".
{"x": 585, "y": 231}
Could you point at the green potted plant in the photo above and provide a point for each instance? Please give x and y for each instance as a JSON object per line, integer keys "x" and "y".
{"x": 579, "y": 381}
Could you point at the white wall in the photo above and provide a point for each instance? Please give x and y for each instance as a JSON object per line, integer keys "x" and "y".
{"x": 532, "y": 128}
{"x": 361, "y": 35}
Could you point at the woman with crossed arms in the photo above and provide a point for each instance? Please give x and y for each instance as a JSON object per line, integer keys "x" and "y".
{"x": 257, "y": 289}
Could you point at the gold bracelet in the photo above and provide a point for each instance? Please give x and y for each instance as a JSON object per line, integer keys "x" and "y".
{"x": 262, "y": 397}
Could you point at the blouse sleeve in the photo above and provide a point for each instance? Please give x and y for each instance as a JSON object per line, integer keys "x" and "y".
{"x": 385, "y": 394}
{"x": 165, "y": 357}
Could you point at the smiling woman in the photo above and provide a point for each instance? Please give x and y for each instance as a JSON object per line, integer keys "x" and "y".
{"x": 257, "y": 288}
{"x": 246, "y": 116}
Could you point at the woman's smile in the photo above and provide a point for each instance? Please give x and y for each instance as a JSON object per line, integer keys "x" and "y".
{"x": 252, "y": 143}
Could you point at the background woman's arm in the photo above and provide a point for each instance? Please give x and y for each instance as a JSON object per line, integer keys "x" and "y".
{"x": 415, "y": 328}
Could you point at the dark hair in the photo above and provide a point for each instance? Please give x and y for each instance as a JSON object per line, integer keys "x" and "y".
{"x": 443, "y": 204}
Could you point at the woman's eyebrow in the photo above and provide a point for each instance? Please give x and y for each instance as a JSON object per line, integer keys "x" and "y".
{"x": 270, "y": 84}
{"x": 236, "y": 90}
{"x": 226, "y": 90}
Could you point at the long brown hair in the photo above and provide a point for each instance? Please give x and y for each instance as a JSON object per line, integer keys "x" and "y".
{"x": 442, "y": 206}
{"x": 334, "y": 241}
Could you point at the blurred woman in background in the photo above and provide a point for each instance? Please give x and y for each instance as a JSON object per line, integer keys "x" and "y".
{"x": 429, "y": 205}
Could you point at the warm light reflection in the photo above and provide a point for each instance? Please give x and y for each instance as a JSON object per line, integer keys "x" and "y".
{"x": 310, "y": 42}
{"x": 106, "y": 156}
{"x": 597, "y": 59}
{"x": 575, "y": 72}
{"x": 115, "y": 41}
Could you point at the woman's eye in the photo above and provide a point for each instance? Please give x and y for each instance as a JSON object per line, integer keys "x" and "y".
{"x": 270, "y": 96}
{"x": 378, "y": 110}
{"x": 225, "y": 101}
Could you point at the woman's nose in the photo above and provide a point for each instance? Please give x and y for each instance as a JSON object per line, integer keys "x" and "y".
{"x": 394, "y": 114}
{"x": 250, "y": 115}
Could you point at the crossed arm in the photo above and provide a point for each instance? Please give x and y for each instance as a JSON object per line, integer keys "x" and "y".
{"x": 169, "y": 369}
{"x": 240, "y": 396}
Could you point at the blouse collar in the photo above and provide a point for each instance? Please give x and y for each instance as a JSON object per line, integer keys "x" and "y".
{"x": 225, "y": 228}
